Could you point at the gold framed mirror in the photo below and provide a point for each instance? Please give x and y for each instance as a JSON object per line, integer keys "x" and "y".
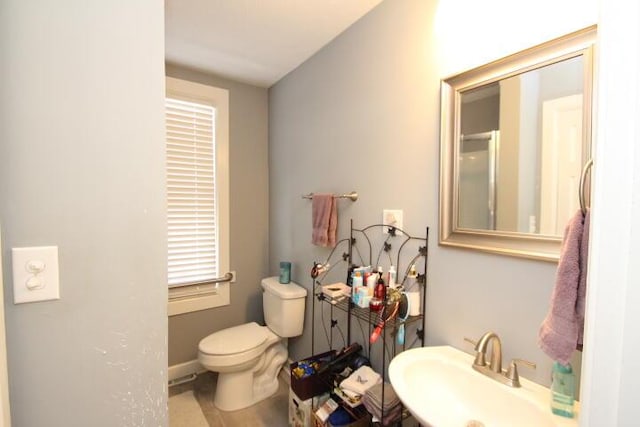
{"x": 514, "y": 137}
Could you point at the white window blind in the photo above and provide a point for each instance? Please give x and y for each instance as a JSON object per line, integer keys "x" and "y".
{"x": 192, "y": 214}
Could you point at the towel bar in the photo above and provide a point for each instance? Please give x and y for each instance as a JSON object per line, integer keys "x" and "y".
{"x": 353, "y": 196}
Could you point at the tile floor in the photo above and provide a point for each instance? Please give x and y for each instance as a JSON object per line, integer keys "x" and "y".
{"x": 272, "y": 412}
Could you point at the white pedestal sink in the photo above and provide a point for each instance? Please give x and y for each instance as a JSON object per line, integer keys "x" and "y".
{"x": 441, "y": 389}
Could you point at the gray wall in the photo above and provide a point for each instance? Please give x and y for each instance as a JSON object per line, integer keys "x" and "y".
{"x": 249, "y": 213}
{"x": 82, "y": 167}
{"x": 482, "y": 115}
{"x": 363, "y": 114}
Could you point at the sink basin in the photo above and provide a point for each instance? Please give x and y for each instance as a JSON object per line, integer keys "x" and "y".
{"x": 441, "y": 389}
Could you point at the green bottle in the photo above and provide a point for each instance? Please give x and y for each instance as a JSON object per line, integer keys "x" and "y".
{"x": 563, "y": 390}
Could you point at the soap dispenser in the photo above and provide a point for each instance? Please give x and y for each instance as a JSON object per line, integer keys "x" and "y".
{"x": 562, "y": 390}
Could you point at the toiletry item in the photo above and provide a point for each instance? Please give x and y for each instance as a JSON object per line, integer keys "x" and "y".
{"x": 326, "y": 410}
{"x": 413, "y": 290}
{"x": 391, "y": 279}
{"x": 371, "y": 280}
{"x": 414, "y": 302}
{"x": 336, "y": 290}
{"x": 375, "y": 304}
{"x": 356, "y": 281}
{"x": 380, "y": 291}
{"x": 285, "y": 272}
{"x": 562, "y": 390}
{"x": 359, "y": 294}
{"x": 412, "y": 278}
{"x": 365, "y": 301}
{"x": 404, "y": 306}
{"x": 355, "y": 296}
{"x": 362, "y": 270}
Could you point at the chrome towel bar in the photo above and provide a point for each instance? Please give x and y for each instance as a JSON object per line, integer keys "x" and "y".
{"x": 353, "y": 196}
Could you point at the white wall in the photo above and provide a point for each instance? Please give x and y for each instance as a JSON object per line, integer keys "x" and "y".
{"x": 363, "y": 114}
{"x": 5, "y": 410}
{"x": 82, "y": 167}
{"x": 612, "y": 341}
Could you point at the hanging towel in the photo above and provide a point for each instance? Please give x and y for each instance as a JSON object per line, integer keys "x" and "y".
{"x": 562, "y": 329}
{"x": 582, "y": 285}
{"x": 324, "y": 219}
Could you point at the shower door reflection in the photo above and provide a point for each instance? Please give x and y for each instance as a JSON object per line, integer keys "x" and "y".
{"x": 477, "y": 180}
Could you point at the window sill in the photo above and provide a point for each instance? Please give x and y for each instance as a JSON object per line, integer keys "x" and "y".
{"x": 194, "y": 303}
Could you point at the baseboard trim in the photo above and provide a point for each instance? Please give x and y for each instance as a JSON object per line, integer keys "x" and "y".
{"x": 185, "y": 369}
{"x": 194, "y": 367}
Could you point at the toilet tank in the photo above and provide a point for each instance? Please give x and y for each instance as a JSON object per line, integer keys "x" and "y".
{"x": 283, "y": 306}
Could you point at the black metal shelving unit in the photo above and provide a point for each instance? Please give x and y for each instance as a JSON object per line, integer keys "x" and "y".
{"x": 395, "y": 245}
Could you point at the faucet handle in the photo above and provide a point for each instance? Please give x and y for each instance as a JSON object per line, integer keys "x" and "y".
{"x": 474, "y": 343}
{"x": 512, "y": 372}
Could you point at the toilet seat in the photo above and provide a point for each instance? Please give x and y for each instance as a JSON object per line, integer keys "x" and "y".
{"x": 235, "y": 348}
{"x": 236, "y": 339}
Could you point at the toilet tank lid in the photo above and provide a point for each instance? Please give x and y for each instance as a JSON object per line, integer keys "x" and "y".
{"x": 285, "y": 291}
{"x": 235, "y": 339}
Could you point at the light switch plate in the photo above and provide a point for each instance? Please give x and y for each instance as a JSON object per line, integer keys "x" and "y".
{"x": 392, "y": 217}
{"x": 35, "y": 274}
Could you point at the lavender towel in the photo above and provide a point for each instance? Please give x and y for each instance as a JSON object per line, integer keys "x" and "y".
{"x": 562, "y": 329}
{"x": 324, "y": 219}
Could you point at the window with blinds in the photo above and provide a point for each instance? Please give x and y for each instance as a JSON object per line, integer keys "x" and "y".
{"x": 191, "y": 188}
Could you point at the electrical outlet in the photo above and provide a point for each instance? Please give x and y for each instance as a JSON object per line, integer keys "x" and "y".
{"x": 391, "y": 217}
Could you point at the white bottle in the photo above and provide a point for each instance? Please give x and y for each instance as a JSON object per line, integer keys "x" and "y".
{"x": 412, "y": 277}
{"x": 391, "y": 281}
{"x": 413, "y": 292}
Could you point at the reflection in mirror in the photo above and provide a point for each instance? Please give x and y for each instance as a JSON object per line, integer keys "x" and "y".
{"x": 521, "y": 151}
{"x": 515, "y": 135}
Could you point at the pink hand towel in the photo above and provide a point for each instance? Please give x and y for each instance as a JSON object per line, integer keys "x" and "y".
{"x": 324, "y": 219}
{"x": 562, "y": 329}
{"x": 582, "y": 285}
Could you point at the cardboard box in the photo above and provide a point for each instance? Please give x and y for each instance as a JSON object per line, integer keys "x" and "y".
{"x": 364, "y": 421}
{"x": 301, "y": 411}
{"x": 336, "y": 290}
{"x": 313, "y": 385}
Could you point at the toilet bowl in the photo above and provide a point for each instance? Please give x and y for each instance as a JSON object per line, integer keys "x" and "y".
{"x": 248, "y": 357}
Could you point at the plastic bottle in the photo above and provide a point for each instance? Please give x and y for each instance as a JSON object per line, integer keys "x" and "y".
{"x": 391, "y": 281}
{"x": 356, "y": 284}
{"x": 413, "y": 292}
{"x": 380, "y": 291}
{"x": 357, "y": 280}
{"x": 285, "y": 272}
{"x": 562, "y": 390}
{"x": 412, "y": 277}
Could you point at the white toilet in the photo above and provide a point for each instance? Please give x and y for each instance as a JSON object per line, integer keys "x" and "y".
{"x": 248, "y": 357}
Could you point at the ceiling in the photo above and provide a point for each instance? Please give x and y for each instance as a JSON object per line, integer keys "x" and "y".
{"x": 254, "y": 41}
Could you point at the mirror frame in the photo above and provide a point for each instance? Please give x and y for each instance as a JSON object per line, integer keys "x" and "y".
{"x": 526, "y": 245}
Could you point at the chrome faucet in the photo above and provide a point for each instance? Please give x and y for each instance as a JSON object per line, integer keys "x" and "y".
{"x": 493, "y": 369}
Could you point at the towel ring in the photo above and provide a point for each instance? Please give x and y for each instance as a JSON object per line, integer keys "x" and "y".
{"x": 583, "y": 179}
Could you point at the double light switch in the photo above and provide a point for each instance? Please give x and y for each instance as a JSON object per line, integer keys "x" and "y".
{"x": 35, "y": 274}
